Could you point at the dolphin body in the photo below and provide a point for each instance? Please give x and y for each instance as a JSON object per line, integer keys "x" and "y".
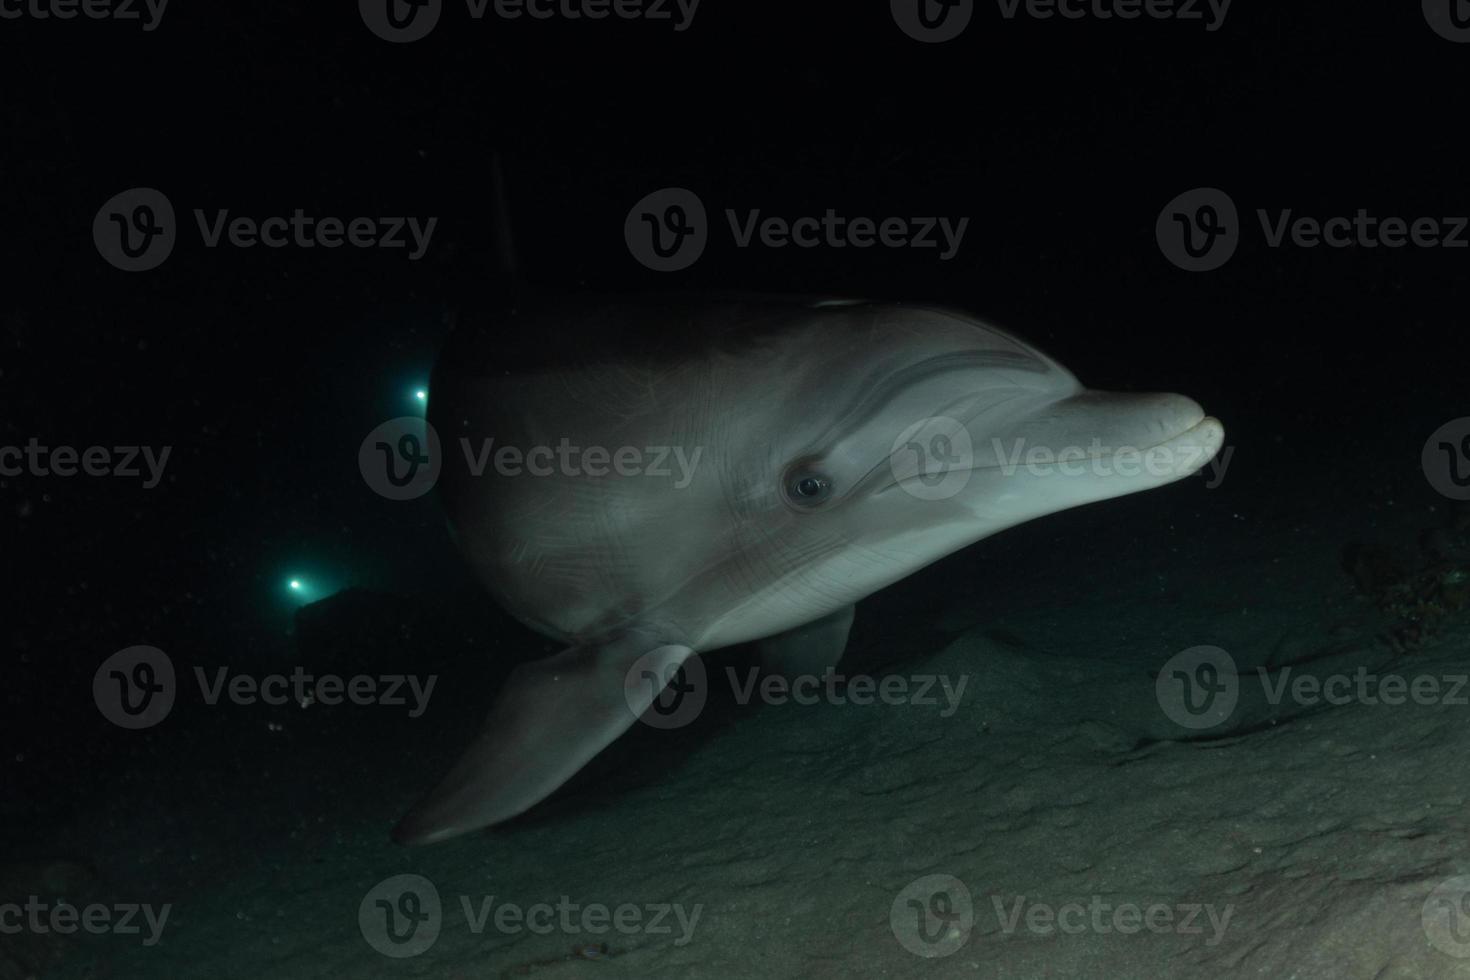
{"x": 837, "y": 447}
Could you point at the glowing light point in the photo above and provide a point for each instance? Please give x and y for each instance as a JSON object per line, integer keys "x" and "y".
{"x": 421, "y": 395}
{"x": 299, "y": 590}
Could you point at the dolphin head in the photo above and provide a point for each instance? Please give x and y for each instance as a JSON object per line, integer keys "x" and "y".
{"x": 917, "y": 432}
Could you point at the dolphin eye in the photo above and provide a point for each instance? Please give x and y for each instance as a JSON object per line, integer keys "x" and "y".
{"x": 806, "y": 487}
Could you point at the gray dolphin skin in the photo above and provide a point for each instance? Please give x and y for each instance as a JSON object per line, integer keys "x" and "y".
{"x": 738, "y": 471}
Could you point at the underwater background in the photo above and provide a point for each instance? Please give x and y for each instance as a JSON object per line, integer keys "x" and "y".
{"x": 1060, "y": 820}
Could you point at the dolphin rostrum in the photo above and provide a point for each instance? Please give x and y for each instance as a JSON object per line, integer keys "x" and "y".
{"x": 660, "y": 478}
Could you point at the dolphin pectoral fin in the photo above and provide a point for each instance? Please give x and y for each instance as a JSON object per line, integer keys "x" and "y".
{"x": 551, "y": 718}
{"x": 809, "y": 649}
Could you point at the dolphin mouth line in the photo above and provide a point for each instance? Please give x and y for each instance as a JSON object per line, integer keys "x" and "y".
{"x": 1177, "y": 441}
{"x": 1180, "y": 437}
{"x": 1196, "y": 436}
{"x": 1199, "y": 436}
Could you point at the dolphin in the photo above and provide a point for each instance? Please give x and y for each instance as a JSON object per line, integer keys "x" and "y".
{"x": 830, "y": 448}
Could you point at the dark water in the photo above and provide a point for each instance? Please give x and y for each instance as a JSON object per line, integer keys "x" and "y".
{"x": 1332, "y": 833}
